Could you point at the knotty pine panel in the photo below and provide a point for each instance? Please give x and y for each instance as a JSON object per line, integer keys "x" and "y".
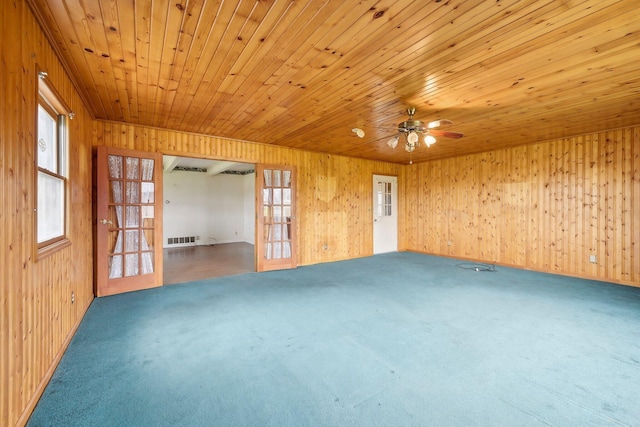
{"x": 37, "y": 318}
{"x": 334, "y": 194}
{"x": 546, "y": 206}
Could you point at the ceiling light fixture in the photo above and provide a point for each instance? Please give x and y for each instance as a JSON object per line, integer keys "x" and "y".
{"x": 358, "y": 132}
{"x": 412, "y": 128}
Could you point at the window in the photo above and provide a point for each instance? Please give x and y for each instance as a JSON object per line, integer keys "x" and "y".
{"x": 51, "y": 182}
{"x": 384, "y": 199}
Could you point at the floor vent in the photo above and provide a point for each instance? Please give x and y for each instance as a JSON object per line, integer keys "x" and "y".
{"x": 178, "y": 240}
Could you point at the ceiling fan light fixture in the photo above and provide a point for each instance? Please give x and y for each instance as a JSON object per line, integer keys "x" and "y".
{"x": 429, "y": 140}
{"x": 412, "y": 138}
{"x": 414, "y": 129}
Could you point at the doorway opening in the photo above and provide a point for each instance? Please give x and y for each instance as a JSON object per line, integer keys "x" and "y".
{"x": 209, "y": 219}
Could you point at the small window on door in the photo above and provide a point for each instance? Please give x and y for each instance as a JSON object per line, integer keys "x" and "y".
{"x": 384, "y": 199}
{"x": 52, "y": 176}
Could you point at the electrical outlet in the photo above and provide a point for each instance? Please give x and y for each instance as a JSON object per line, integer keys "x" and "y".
{"x": 73, "y": 297}
{"x": 325, "y": 247}
{"x": 449, "y": 243}
{"x": 593, "y": 259}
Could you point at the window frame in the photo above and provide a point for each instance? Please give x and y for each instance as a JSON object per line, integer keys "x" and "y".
{"x": 49, "y": 99}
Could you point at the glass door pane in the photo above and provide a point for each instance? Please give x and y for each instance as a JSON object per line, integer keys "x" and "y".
{"x": 130, "y": 216}
{"x": 275, "y": 226}
{"x": 129, "y": 220}
{"x": 277, "y": 213}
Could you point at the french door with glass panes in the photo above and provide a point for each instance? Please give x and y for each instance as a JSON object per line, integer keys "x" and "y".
{"x": 276, "y": 218}
{"x": 129, "y": 220}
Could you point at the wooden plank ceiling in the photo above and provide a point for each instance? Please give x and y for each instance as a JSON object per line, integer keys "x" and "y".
{"x": 305, "y": 73}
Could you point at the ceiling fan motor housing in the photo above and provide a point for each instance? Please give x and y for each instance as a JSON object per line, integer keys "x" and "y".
{"x": 411, "y": 126}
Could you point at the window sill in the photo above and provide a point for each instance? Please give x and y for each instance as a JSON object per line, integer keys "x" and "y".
{"x": 52, "y": 248}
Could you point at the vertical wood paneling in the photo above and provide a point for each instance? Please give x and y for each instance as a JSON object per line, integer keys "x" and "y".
{"x": 627, "y": 207}
{"x": 546, "y": 206}
{"x": 37, "y": 317}
{"x": 578, "y": 184}
{"x": 603, "y": 205}
{"x": 334, "y": 192}
{"x": 591, "y": 201}
{"x": 633, "y": 202}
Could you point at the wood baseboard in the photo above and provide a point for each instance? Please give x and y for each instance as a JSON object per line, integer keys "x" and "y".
{"x": 538, "y": 270}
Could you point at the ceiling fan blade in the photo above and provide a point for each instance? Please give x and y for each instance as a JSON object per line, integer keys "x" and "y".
{"x": 445, "y": 133}
{"x": 438, "y": 123}
{"x": 386, "y": 138}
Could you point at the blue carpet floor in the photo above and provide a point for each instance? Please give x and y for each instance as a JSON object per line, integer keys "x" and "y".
{"x": 400, "y": 339}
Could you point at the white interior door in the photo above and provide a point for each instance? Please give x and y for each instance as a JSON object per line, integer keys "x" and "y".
{"x": 385, "y": 214}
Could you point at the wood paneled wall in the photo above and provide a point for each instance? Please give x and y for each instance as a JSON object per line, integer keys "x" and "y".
{"x": 547, "y": 206}
{"x": 37, "y": 318}
{"x": 334, "y": 194}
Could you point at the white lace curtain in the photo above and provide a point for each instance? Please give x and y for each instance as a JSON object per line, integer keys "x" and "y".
{"x": 131, "y": 240}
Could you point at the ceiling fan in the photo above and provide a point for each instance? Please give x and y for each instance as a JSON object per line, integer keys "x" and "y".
{"x": 412, "y": 128}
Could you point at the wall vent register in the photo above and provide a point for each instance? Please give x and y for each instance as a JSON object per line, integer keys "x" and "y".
{"x": 178, "y": 240}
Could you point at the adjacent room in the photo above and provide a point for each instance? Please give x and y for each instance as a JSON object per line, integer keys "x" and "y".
{"x": 275, "y": 212}
{"x": 208, "y": 221}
